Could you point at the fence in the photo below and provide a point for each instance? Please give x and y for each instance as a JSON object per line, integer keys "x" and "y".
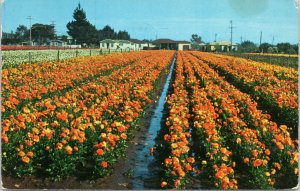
{"x": 15, "y": 57}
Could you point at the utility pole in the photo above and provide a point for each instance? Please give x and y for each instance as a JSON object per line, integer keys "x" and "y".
{"x": 231, "y": 32}
{"x": 29, "y": 18}
{"x": 53, "y": 25}
{"x": 273, "y": 41}
{"x": 260, "y": 40}
{"x": 241, "y": 39}
{"x": 216, "y": 37}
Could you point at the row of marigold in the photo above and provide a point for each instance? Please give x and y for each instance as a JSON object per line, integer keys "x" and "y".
{"x": 28, "y": 83}
{"x": 228, "y": 128}
{"x": 250, "y": 134}
{"x": 279, "y": 95}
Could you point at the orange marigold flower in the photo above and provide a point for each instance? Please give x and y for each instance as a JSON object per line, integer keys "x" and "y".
{"x": 99, "y": 152}
{"x": 190, "y": 160}
{"x": 30, "y": 154}
{"x": 267, "y": 152}
{"x": 21, "y": 154}
{"x": 257, "y": 163}
{"x": 68, "y": 149}
{"x": 123, "y": 136}
{"x": 280, "y": 145}
{"x": 163, "y": 184}
{"x": 75, "y": 148}
{"x": 25, "y": 159}
{"x": 188, "y": 167}
{"x": 128, "y": 118}
{"x": 104, "y": 164}
{"x": 246, "y": 160}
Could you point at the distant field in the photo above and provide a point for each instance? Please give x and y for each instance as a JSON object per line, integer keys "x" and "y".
{"x": 278, "y": 59}
{"x": 11, "y": 58}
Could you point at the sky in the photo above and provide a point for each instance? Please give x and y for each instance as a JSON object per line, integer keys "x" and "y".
{"x": 174, "y": 19}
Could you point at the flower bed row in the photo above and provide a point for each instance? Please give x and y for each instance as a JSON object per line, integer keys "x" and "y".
{"x": 178, "y": 163}
{"x": 254, "y": 139}
{"x": 217, "y": 163}
{"x": 29, "y": 83}
{"x": 280, "y": 97}
{"x": 83, "y": 131}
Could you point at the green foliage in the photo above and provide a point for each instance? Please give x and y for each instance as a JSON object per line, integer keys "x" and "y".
{"x": 42, "y": 33}
{"x": 81, "y": 29}
{"x": 247, "y": 46}
{"x": 264, "y": 47}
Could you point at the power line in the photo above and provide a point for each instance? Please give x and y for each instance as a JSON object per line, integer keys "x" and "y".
{"x": 53, "y": 25}
{"x": 260, "y": 39}
{"x": 231, "y": 33}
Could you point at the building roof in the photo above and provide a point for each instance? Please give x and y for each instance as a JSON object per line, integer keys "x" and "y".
{"x": 183, "y": 42}
{"x": 57, "y": 41}
{"x": 115, "y": 41}
{"x": 122, "y": 41}
{"x": 163, "y": 40}
{"x": 136, "y": 41}
{"x": 169, "y": 41}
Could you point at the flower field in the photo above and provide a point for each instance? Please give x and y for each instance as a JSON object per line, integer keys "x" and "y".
{"x": 285, "y": 60}
{"x": 217, "y": 130}
{"x": 230, "y": 123}
{"x": 12, "y": 58}
{"x": 55, "y": 127}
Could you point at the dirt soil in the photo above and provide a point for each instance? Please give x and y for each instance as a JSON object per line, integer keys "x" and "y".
{"x": 120, "y": 177}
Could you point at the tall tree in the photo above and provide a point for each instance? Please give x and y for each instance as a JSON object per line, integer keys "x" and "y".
{"x": 107, "y": 33}
{"x": 81, "y": 29}
{"x": 42, "y": 32}
{"x": 123, "y": 35}
{"x": 264, "y": 47}
{"x": 22, "y": 33}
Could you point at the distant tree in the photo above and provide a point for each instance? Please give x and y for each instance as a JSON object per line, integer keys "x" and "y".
{"x": 264, "y": 47}
{"x": 196, "y": 39}
{"x": 42, "y": 32}
{"x": 64, "y": 38}
{"x": 123, "y": 35}
{"x": 296, "y": 48}
{"x": 283, "y": 47}
{"x": 107, "y": 33}
{"x": 291, "y": 51}
{"x": 81, "y": 29}
{"x": 22, "y": 33}
{"x": 247, "y": 46}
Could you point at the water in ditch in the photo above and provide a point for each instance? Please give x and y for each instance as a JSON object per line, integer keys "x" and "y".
{"x": 146, "y": 171}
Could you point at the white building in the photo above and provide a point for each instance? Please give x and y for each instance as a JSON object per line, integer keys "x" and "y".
{"x": 117, "y": 44}
{"x": 222, "y": 46}
{"x": 169, "y": 44}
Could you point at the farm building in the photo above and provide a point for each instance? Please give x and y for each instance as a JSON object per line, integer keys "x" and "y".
{"x": 222, "y": 46}
{"x": 172, "y": 45}
{"x": 117, "y": 44}
{"x": 139, "y": 44}
{"x": 57, "y": 43}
